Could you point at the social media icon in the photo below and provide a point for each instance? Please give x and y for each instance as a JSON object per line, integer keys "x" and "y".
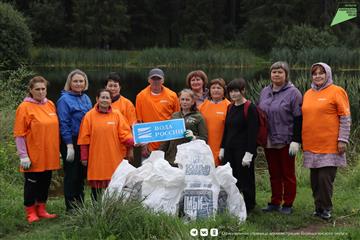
{"x": 214, "y": 232}
{"x": 204, "y": 232}
{"x": 194, "y": 232}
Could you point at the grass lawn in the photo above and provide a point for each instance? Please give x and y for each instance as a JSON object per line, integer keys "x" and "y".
{"x": 134, "y": 222}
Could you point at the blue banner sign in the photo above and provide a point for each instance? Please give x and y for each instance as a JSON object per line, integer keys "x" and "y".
{"x": 159, "y": 131}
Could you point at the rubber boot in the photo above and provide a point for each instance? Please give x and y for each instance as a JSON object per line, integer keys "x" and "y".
{"x": 31, "y": 215}
{"x": 41, "y": 211}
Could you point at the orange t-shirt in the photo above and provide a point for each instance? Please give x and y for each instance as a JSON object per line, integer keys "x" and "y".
{"x": 214, "y": 115}
{"x": 321, "y": 111}
{"x": 152, "y": 108}
{"x": 39, "y": 124}
{"x": 127, "y": 109}
{"x": 105, "y": 133}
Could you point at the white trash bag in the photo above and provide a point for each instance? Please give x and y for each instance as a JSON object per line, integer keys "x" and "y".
{"x": 156, "y": 183}
{"x": 118, "y": 179}
{"x": 162, "y": 188}
{"x": 233, "y": 200}
{"x": 200, "y": 197}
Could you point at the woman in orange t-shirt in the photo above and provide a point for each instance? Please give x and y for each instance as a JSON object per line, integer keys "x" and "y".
{"x": 214, "y": 112}
{"x": 121, "y": 103}
{"x": 103, "y": 133}
{"x": 325, "y": 133}
{"x": 36, "y": 132}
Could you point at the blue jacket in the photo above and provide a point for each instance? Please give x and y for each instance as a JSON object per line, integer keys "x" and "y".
{"x": 71, "y": 108}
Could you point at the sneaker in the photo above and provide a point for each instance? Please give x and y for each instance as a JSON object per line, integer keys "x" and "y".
{"x": 286, "y": 210}
{"x": 326, "y": 215}
{"x": 271, "y": 208}
{"x": 317, "y": 212}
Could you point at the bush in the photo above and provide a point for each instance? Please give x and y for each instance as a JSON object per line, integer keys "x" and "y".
{"x": 15, "y": 37}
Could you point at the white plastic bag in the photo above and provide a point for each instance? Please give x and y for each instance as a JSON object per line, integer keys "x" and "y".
{"x": 156, "y": 183}
{"x": 234, "y": 200}
{"x": 118, "y": 179}
{"x": 200, "y": 195}
{"x": 162, "y": 188}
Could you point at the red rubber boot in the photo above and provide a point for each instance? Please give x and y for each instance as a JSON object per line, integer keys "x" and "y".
{"x": 41, "y": 211}
{"x": 31, "y": 215}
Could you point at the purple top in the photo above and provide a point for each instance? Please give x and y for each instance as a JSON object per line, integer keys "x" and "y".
{"x": 281, "y": 107}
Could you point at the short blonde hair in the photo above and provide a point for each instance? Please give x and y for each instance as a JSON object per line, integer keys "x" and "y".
{"x": 69, "y": 78}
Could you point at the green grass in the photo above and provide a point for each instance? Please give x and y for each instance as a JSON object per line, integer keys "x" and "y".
{"x": 173, "y": 57}
{"x": 116, "y": 220}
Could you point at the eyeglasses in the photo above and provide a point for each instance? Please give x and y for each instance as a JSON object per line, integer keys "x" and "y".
{"x": 155, "y": 78}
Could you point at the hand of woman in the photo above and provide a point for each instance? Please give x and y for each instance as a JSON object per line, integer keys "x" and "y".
{"x": 25, "y": 163}
{"x": 341, "y": 147}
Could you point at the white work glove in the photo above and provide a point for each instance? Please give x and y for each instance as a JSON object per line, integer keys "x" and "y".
{"x": 189, "y": 135}
{"x": 246, "y": 161}
{"x": 70, "y": 153}
{"x": 221, "y": 154}
{"x": 293, "y": 148}
{"x": 25, "y": 163}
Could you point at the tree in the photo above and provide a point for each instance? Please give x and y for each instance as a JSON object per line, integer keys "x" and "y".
{"x": 15, "y": 37}
{"x": 305, "y": 36}
{"x": 47, "y": 22}
{"x": 197, "y": 25}
{"x": 100, "y": 24}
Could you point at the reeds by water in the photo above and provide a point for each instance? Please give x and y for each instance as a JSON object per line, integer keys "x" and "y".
{"x": 58, "y": 57}
{"x": 339, "y": 57}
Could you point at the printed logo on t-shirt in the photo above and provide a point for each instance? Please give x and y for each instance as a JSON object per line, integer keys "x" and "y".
{"x": 52, "y": 114}
{"x": 111, "y": 123}
{"x": 164, "y": 101}
{"x": 220, "y": 113}
{"x": 322, "y": 99}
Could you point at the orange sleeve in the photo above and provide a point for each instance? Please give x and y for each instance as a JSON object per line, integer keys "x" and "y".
{"x": 85, "y": 130}
{"x": 130, "y": 113}
{"x": 342, "y": 102}
{"x": 177, "y": 104}
{"x": 124, "y": 130}
{"x": 21, "y": 125}
{"x": 138, "y": 108}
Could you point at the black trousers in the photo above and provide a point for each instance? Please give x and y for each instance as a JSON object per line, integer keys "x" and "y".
{"x": 74, "y": 175}
{"x": 245, "y": 176}
{"x": 322, "y": 181}
{"x": 36, "y": 187}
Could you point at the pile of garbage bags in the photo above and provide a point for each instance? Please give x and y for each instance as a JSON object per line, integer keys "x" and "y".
{"x": 196, "y": 189}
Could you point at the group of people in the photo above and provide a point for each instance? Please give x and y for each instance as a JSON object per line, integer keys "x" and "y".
{"x": 93, "y": 140}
